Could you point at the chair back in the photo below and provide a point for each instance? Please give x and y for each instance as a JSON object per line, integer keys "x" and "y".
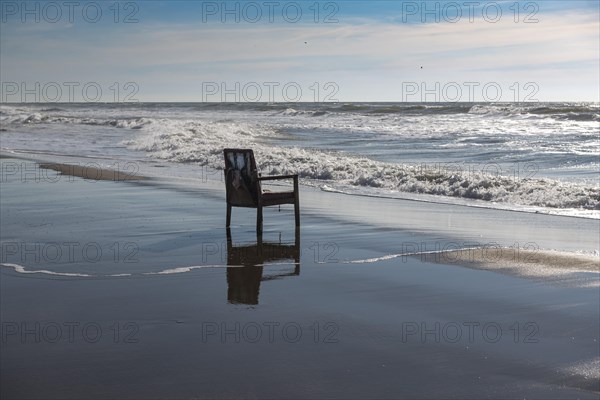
{"x": 241, "y": 177}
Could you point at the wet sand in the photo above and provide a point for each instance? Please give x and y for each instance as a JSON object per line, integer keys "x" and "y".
{"x": 577, "y": 270}
{"x": 164, "y": 306}
{"x": 91, "y": 173}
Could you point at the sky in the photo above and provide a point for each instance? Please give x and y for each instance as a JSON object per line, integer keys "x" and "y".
{"x": 192, "y": 51}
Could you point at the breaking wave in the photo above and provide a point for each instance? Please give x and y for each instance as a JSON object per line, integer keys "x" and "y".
{"x": 178, "y": 137}
{"x": 203, "y": 143}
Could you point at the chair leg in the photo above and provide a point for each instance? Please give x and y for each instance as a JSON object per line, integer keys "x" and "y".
{"x": 228, "y": 219}
{"x": 297, "y": 214}
{"x": 259, "y": 220}
{"x": 296, "y": 202}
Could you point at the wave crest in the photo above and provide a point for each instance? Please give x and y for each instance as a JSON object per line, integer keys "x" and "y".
{"x": 203, "y": 143}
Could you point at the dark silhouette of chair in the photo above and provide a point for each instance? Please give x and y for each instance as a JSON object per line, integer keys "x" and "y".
{"x": 243, "y": 187}
{"x": 243, "y": 280}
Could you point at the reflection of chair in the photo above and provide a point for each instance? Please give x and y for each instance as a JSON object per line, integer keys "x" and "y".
{"x": 243, "y": 186}
{"x": 243, "y": 281}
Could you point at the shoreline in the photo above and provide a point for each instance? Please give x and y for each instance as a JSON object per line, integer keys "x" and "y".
{"x": 546, "y": 265}
{"x": 489, "y": 256}
{"x": 91, "y": 172}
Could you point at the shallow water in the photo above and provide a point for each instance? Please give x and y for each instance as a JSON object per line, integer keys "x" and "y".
{"x": 396, "y": 327}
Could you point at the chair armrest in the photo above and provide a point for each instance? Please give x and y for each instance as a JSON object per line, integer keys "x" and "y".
{"x": 277, "y": 177}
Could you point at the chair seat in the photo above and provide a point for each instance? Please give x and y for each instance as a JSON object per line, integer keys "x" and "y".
{"x": 274, "y": 198}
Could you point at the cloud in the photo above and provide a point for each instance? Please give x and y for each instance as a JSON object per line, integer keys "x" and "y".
{"x": 559, "y": 47}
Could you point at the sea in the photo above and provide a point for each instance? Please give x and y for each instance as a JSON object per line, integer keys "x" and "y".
{"x": 533, "y": 157}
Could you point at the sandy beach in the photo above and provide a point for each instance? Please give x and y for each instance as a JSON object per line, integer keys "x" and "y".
{"x": 337, "y": 200}
{"x": 131, "y": 289}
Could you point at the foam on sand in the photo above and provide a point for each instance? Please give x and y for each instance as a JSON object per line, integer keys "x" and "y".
{"x": 180, "y": 270}
{"x": 573, "y": 269}
{"x": 169, "y": 271}
{"x": 583, "y": 374}
{"x": 588, "y": 369}
{"x": 21, "y": 269}
{"x": 570, "y": 269}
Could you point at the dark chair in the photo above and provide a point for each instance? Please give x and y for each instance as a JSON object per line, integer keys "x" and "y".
{"x": 243, "y": 187}
{"x": 246, "y": 267}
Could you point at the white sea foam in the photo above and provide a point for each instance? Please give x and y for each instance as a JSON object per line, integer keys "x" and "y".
{"x": 393, "y": 256}
{"x": 280, "y": 134}
{"x": 589, "y": 369}
{"x": 180, "y": 270}
{"x": 203, "y": 142}
{"x": 169, "y": 271}
{"x": 22, "y": 270}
